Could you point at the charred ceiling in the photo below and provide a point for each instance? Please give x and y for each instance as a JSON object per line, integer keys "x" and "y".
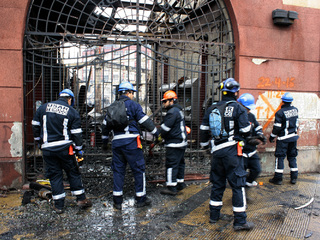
{"x": 98, "y": 22}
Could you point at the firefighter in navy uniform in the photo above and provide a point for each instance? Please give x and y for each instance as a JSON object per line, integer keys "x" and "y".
{"x": 127, "y": 148}
{"x": 285, "y": 129}
{"x": 56, "y": 126}
{"x": 173, "y": 131}
{"x": 251, "y": 157}
{"x": 227, "y": 164}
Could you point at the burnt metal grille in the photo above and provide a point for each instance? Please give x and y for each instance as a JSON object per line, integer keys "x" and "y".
{"x": 91, "y": 46}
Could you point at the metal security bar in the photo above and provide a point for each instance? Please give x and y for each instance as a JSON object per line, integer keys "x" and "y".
{"x": 91, "y": 46}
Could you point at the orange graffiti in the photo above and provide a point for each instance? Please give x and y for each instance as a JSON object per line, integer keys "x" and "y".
{"x": 265, "y": 82}
{"x": 270, "y": 119}
{"x": 269, "y": 109}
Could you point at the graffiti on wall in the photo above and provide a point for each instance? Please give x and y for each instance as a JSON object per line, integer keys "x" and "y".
{"x": 308, "y": 104}
{"x": 267, "y": 105}
{"x": 265, "y": 82}
{"x": 270, "y": 101}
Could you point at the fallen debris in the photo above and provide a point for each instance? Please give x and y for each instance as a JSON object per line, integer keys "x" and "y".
{"x": 38, "y": 186}
{"x": 308, "y": 235}
{"x": 305, "y": 205}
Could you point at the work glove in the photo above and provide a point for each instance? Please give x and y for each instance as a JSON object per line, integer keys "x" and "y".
{"x": 271, "y": 139}
{"x": 106, "y": 146}
{"x": 263, "y": 139}
{"x": 158, "y": 139}
{"x": 79, "y": 153}
{"x": 79, "y": 156}
{"x": 206, "y": 149}
{"x": 38, "y": 144}
{"x": 253, "y": 141}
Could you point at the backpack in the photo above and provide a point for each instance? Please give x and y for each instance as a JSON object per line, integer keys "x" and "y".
{"x": 116, "y": 115}
{"x": 216, "y": 121}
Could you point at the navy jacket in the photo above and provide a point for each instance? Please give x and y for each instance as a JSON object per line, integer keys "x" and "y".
{"x": 236, "y": 125}
{"x": 132, "y": 131}
{"x": 173, "y": 128}
{"x": 56, "y": 125}
{"x": 286, "y": 124}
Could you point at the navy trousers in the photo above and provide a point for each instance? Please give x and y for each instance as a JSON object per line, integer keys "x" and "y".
{"x": 253, "y": 164}
{"x": 175, "y": 166}
{"x": 283, "y": 150}
{"x": 227, "y": 165}
{"x": 134, "y": 157}
{"x": 56, "y": 162}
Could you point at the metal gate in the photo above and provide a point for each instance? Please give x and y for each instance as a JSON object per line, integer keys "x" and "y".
{"x": 91, "y": 46}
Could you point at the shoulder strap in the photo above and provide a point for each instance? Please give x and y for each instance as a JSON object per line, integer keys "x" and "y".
{"x": 121, "y": 99}
{"x": 223, "y": 107}
{"x": 231, "y": 101}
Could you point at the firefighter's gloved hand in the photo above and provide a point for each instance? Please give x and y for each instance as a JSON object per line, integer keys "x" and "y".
{"x": 79, "y": 156}
{"x": 38, "y": 144}
{"x": 79, "y": 153}
{"x": 204, "y": 147}
{"x": 106, "y": 146}
{"x": 263, "y": 139}
{"x": 254, "y": 141}
{"x": 271, "y": 139}
{"x": 159, "y": 139}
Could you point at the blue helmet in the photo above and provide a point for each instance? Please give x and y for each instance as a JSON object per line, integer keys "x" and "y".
{"x": 67, "y": 93}
{"x": 230, "y": 85}
{"x": 126, "y": 86}
{"x": 287, "y": 97}
{"x": 247, "y": 100}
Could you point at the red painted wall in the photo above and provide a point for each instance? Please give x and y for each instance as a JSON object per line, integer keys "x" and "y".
{"x": 12, "y": 25}
{"x": 292, "y": 53}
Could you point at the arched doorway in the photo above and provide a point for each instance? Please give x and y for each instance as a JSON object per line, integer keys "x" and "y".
{"x": 91, "y": 46}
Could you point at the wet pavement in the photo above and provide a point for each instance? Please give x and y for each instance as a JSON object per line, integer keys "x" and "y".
{"x": 185, "y": 216}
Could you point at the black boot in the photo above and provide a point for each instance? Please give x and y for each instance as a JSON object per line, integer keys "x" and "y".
{"x": 170, "y": 191}
{"x": 145, "y": 202}
{"x": 246, "y": 226}
{"x": 293, "y": 181}
{"x": 293, "y": 177}
{"x": 117, "y": 202}
{"x": 181, "y": 186}
{"x": 275, "y": 181}
{"x": 117, "y": 206}
{"x": 58, "y": 206}
{"x": 214, "y": 215}
{"x": 57, "y": 210}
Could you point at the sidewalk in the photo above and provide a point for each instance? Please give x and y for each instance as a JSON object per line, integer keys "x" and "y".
{"x": 186, "y": 216}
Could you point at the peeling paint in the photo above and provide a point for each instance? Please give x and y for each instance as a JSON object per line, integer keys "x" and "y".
{"x": 308, "y": 105}
{"x": 267, "y": 103}
{"x": 15, "y": 140}
{"x": 303, "y": 3}
{"x": 18, "y": 166}
{"x": 258, "y": 61}
{"x": 308, "y": 126}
